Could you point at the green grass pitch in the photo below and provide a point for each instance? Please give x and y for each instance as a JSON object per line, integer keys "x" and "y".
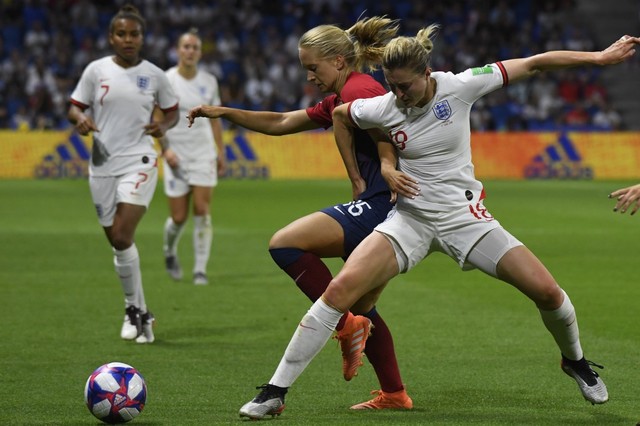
{"x": 472, "y": 350}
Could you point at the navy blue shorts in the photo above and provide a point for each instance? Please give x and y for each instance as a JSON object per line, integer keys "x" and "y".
{"x": 358, "y": 218}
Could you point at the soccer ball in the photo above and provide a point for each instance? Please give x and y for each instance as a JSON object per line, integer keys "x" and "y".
{"x": 115, "y": 393}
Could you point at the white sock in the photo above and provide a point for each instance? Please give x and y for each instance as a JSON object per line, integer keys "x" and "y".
{"x": 172, "y": 234}
{"x": 312, "y": 334}
{"x": 563, "y": 325}
{"x": 202, "y": 238}
{"x": 127, "y": 265}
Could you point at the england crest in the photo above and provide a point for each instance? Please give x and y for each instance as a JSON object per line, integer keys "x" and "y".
{"x": 143, "y": 82}
{"x": 442, "y": 110}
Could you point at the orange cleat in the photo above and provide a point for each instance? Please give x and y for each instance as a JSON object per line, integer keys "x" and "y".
{"x": 353, "y": 338}
{"x": 386, "y": 400}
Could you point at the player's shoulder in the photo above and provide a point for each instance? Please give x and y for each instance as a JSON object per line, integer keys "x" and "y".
{"x": 97, "y": 68}
{"x": 447, "y": 77}
{"x": 150, "y": 67}
{"x": 171, "y": 72}
{"x": 480, "y": 72}
{"x": 387, "y": 98}
{"x": 449, "y": 82}
{"x": 206, "y": 76}
{"x": 385, "y": 104}
{"x": 360, "y": 85}
{"x": 100, "y": 63}
{"x": 361, "y": 80}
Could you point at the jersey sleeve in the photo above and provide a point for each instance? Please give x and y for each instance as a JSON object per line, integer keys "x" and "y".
{"x": 477, "y": 82}
{"x": 82, "y": 95}
{"x": 367, "y": 113}
{"x": 167, "y": 99}
{"x": 321, "y": 113}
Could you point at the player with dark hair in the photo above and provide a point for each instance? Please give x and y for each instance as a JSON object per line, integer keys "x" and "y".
{"x": 121, "y": 91}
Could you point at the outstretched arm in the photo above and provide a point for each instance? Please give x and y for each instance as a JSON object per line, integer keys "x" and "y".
{"x": 267, "y": 122}
{"x": 627, "y": 198}
{"x": 521, "y": 68}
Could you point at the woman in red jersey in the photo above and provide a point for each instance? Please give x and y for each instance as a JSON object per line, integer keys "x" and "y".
{"x": 334, "y": 60}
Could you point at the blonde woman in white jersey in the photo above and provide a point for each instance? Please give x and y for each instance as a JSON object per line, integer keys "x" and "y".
{"x": 193, "y": 159}
{"x": 114, "y": 100}
{"x": 440, "y": 203}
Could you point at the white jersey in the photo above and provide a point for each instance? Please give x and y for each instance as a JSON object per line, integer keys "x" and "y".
{"x": 434, "y": 142}
{"x": 195, "y": 143}
{"x": 122, "y": 102}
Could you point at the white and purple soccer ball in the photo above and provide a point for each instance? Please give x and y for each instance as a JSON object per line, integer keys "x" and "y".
{"x": 115, "y": 393}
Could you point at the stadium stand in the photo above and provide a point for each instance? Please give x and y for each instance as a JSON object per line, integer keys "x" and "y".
{"x": 251, "y": 46}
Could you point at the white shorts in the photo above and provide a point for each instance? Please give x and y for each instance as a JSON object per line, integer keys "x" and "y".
{"x": 178, "y": 182}
{"x": 488, "y": 251}
{"x": 414, "y": 235}
{"x": 133, "y": 188}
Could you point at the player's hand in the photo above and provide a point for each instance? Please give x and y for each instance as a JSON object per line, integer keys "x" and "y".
{"x": 171, "y": 157}
{"x": 85, "y": 125}
{"x": 358, "y": 186}
{"x": 628, "y": 198}
{"x": 206, "y": 111}
{"x": 154, "y": 129}
{"x": 222, "y": 166}
{"x": 620, "y": 50}
{"x": 401, "y": 184}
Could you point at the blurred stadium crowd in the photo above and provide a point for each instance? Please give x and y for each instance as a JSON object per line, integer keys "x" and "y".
{"x": 251, "y": 46}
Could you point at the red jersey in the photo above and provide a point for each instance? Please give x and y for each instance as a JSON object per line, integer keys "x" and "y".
{"x": 357, "y": 86}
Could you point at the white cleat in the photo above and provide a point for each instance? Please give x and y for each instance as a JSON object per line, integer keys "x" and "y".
{"x": 200, "y": 278}
{"x": 173, "y": 267}
{"x": 591, "y": 385}
{"x": 131, "y": 326}
{"x": 269, "y": 402}
{"x": 147, "y": 320}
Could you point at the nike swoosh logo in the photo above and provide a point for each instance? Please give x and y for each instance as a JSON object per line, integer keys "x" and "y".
{"x": 298, "y": 277}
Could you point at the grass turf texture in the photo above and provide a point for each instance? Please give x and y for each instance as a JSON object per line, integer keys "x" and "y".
{"x": 472, "y": 350}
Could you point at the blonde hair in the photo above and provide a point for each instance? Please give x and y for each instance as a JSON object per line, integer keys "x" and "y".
{"x": 410, "y": 52}
{"x": 362, "y": 45}
{"x": 193, "y": 31}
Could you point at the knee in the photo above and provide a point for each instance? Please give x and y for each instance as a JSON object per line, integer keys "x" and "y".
{"x": 340, "y": 294}
{"x": 200, "y": 209}
{"x": 120, "y": 241}
{"x": 179, "y": 218}
{"x": 550, "y": 297}
{"x": 279, "y": 240}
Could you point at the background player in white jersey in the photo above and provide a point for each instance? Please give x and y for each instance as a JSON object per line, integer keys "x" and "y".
{"x": 193, "y": 159}
{"x": 121, "y": 91}
{"x": 426, "y": 116}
